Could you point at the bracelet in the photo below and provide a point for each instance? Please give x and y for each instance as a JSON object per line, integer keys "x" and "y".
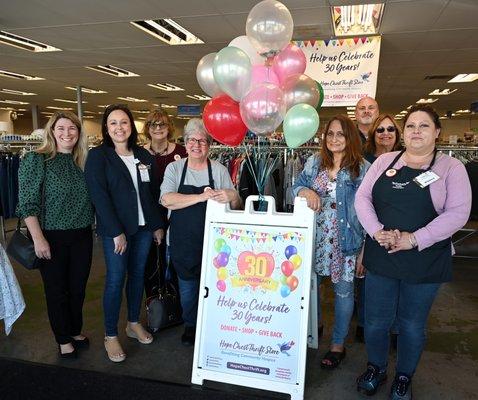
{"x": 413, "y": 243}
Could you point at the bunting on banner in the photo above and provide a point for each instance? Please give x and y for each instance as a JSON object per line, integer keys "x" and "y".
{"x": 247, "y": 236}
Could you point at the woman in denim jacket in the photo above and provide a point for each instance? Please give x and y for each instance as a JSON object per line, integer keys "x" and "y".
{"x": 329, "y": 182}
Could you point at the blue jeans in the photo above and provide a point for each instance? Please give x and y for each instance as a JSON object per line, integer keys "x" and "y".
{"x": 132, "y": 263}
{"x": 344, "y": 308}
{"x": 387, "y": 299}
{"x": 189, "y": 294}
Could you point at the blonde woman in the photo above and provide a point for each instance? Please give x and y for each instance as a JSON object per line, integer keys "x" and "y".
{"x": 56, "y": 207}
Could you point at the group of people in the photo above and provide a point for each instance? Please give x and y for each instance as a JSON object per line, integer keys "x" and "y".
{"x": 386, "y": 213}
{"x": 63, "y": 186}
{"x": 382, "y": 211}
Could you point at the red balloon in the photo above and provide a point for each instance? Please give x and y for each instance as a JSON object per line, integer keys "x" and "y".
{"x": 287, "y": 268}
{"x": 223, "y": 121}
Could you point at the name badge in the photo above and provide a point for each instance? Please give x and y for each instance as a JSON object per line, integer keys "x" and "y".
{"x": 426, "y": 178}
{"x": 143, "y": 172}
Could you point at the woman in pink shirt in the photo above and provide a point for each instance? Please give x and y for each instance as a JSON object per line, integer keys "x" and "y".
{"x": 410, "y": 203}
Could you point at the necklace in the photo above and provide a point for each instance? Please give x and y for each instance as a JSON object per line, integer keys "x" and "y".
{"x": 162, "y": 152}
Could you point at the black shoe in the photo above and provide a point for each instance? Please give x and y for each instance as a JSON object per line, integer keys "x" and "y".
{"x": 370, "y": 380}
{"x": 394, "y": 340}
{"x": 81, "y": 344}
{"x": 401, "y": 388}
{"x": 71, "y": 355}
{"x": 359, "y": 334}
{"x": 189, "y": 336}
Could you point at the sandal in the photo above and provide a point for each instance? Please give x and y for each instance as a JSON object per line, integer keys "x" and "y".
{"x": 136, "y": 331}
{"x": 332, "y": 359}
{"x": 113, "y": 349}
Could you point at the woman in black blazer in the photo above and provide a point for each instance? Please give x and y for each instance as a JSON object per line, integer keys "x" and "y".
{"x": 119, "y": 175}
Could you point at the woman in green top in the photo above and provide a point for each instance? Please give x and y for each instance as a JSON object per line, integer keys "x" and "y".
{"x": 54, "y": 201}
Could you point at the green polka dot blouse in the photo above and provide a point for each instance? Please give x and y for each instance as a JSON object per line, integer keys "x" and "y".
{"x": 67, "y": 203}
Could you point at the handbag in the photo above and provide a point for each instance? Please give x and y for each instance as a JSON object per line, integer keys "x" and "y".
{"x": 163, "y": 309}
{"x": 21, "y": 247}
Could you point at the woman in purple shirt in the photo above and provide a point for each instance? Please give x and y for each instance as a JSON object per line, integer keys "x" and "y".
{"x": 410, "y": 203}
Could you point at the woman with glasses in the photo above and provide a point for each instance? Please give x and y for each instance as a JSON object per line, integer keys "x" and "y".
{"x": 188, "y": 184}
{"x": 383, "y": 137}
{"x": 120, "y": 177}
{"x": 410, "y": 203}
{"x": 159, "y": 129}
{"x": 329, "y": 182}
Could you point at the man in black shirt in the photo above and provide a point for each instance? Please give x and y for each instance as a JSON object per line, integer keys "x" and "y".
{"x": 366, "y": 112}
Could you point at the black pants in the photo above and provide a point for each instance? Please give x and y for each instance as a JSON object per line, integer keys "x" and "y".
{"x": 64, "y": 279}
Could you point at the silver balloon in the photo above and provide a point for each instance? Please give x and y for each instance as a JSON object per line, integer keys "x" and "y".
{"x": 263, "y": 108}
{"x": 205, "y": 76}
{"x": 300, "y": 89}
{"x": 232, "y": 71}
{"x": 269, "y": 27}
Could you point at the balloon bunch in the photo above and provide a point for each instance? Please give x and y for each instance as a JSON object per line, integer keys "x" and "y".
{"x": 293, "y": 262}
{"x": 220, "y": 262}
{"x": 258, "y": 82}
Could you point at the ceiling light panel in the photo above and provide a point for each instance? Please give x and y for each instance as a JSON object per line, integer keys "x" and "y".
{"x": 113, "y": 71}
{"x": 14, "y": 75}
{"x": 69, "y": 101}
{"x": 198, "y": 97}
{"x": 60, "y": 108}
{"x": 25, "y": 43}
{"x": 360, "y": 19}
{"x": 444, "y": 92}
{"x": 168, "y": 31}
{"x": 426, "y": 101}
{"x": 132, "y": 99}
{"x": 14, "y": 102}
{"x": 167, "y": 87}
{"x": 165, "y": 105}
{"x": 17, "y": 92}
{"x": 464, "y": 78}
{"x": 87, "y": 90}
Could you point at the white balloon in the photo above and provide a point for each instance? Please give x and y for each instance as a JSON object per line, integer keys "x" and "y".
{"x": 243, "y": 43}
{"x": 205, "y": 76}
{"x": 269, "y": 27}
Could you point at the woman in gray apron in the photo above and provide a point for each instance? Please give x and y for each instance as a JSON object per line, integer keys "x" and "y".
{"x": 188, "y": 184}
{"x": 410, "y": 203}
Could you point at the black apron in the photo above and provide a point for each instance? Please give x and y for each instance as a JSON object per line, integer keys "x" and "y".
{"x": 186, "y": 230}
{"x": 402, "y": 204}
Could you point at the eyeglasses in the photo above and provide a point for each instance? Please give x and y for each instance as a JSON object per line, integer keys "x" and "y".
{"x": 338, "y": 135}
{"x": 157, "y": 125}
{"x": 389, "y": 128}
{"x": 192, "y": 141}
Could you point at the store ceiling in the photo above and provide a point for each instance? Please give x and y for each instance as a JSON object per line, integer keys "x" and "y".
{"x": 419, "y": 38}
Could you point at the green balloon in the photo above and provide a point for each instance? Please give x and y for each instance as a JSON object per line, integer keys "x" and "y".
{"x": 218, "y": 244}
{"x": 321, "y": 92}
{"x": 300, "y": 124}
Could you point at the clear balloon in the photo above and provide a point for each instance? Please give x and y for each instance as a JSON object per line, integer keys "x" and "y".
{"x": 263, "y": 74}
{"x": 300, "y": 89}
{"x": 300, "y": 125}
{"x": 269, "y": 27}
{"x": 243, "y": 43}
{"x": 205, "y": 76}
{"x": 263, "y": 108}
{"x": 290, "y": 61}
{"x": 232, "y": 71}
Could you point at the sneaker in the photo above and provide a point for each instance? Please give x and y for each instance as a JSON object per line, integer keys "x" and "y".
{"x": 370, "y": 380}
{"x": 189, "y": 336}
{"x": 401, "y": 388}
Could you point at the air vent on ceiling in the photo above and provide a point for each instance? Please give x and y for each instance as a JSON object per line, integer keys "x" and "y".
{"x": 438, "y": 77}
{"x": 168, "y": 31}
{"x": 113, "y": 70}
{"x": 14, "y": 75}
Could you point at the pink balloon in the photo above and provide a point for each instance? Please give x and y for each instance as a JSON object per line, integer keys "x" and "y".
{"x": 288, "y": 62}
{"x": 221, "y": 286}
{"x": 263, "y": 74}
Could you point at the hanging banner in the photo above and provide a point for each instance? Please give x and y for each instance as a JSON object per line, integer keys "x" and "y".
{"x": 347, "y": 68}
{"x": 252, "y": 322}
